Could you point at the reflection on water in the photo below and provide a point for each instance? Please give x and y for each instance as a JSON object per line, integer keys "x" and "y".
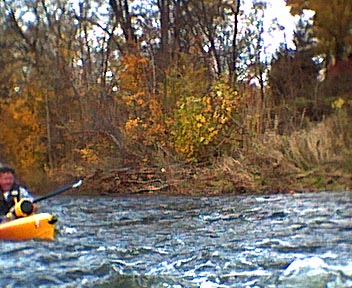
{"x": 302, "y": 240}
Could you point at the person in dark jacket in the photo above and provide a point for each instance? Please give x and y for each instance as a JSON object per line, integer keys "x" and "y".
{"x": 10, "y": 191}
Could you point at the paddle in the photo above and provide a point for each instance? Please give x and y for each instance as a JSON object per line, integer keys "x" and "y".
{"x": 63, "y": 189}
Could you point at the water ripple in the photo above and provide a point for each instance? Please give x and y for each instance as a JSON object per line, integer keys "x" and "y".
{"x": 301, "y": 240}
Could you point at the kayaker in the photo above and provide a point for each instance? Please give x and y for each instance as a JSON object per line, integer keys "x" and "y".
{"x": 10, "y": 191}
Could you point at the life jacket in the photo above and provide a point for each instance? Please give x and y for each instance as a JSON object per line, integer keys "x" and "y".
{"x": 15, "y": 196}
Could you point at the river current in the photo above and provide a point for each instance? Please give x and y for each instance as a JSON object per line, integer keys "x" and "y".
{"x": 300, "y": 240}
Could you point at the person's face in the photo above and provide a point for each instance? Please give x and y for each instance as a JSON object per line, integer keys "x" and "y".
{"x": 6, "y": 181}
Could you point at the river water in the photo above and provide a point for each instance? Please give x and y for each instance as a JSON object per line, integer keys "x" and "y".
{"x": 300, "y": 240}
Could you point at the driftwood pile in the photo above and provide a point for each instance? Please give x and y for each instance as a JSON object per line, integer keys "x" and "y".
{"x": 127, "y": 181}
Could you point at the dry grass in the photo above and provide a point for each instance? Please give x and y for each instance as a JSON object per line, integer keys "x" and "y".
{"x": 315, "y": 158}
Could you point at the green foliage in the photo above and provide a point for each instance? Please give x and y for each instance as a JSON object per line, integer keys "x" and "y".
{"x": 202, "y": 121}
{"x": 338, "y": 103}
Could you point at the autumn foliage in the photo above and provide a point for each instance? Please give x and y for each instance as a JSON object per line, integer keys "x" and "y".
{"x": 82, "y": 90}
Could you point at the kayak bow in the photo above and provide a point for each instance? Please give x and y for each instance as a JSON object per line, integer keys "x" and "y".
{"x": 39, "y": 226}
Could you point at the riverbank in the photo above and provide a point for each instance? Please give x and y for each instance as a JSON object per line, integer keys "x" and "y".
{"x": 317, "y": 158}
{"x": 226, "y": 176}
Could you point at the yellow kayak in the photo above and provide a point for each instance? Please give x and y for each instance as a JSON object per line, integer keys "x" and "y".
{"x": 38, "y": 226}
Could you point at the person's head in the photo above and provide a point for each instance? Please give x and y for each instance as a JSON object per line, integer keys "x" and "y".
{"x": 7, "y": 178}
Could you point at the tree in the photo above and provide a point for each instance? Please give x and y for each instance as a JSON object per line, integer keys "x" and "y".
{"x": 332, "y": 24}
{"x": 293, "y": 83}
